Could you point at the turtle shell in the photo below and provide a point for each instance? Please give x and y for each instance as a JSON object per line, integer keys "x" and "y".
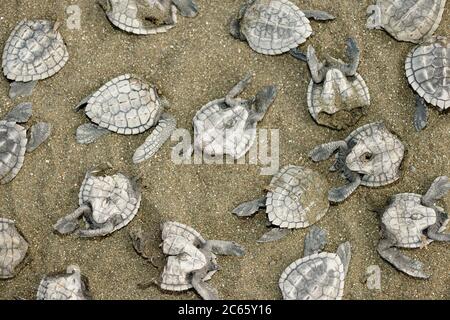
{"x": 387, "y": 154}
{"x": 220, "y": 129}
{"x": 274, "y": 26}
{"x": 411, "y": 20}
{"x": 428, "y": 70}
{"x": 338, "y": 101}
{"x": 171, "y": 228}
{"x": 13, "y": 143}
{"x": 13, "y": 248}
{"x": 33, "y": 51}
{"x": 406, "y": 218}
{"x": 319, "y": 276}
{"x": 125, "y": 105}
{"x": 109, "y": 196}
{"x": 297, "y": 197}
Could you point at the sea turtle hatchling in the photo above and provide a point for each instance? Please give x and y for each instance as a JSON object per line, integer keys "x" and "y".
{"x": 318, "y": 275}
{"x": 296, "y": 198}
{"x": 131, "y": 16}
{"x": 412, "y": 221}
{"x": 370, "y": 156}
{"x": 406, "y": 20}
{"x": 34, "y": 51}
{"x": 126, "y": 105}
{"x": 13, "y": 248}
{"x": 107, "y": 204}
{"x": 15, "y": 140}
{"x": 69, "y": 285}
{"x": 191, "y": 259}
{"x": 337, "y": 94}
{"x": 227, "y": 126}
{"x": 274, "y": 26}
{"x": 428, "y": 70}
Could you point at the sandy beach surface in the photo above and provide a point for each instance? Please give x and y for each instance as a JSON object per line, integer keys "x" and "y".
{"x": 196, "y": 62}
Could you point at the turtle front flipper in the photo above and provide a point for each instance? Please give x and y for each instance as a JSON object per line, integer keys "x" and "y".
{"x": 106, "y": 229}
{"x": 39, "y": 133}
{"x": 435, "y": 231}
{"x": 263, "y": 100}
{"x": 324, "y": 151}
{"x": 318, "y": 15}
{"x": 20, "y": 113}
{"x": 187, "y": 8}
{"x": 437, "y": 190}
{"x": 316, "y": 68}
{"x": 205, "y": 290}
{"x": 353, "y": 56}
{"x": 315, "y": 241}
{"x": 274, "y": 234}
{"x": 297, "y": 54}
{"x": 166, "y": 125}
{"x": 421, "y": 115}
{"x": 89, "y": 132}
{"x": 69, "y": 223}
{"x": 226, "y": 248}
{"x": 249, "y": 208}
{"x": 400, "y": 261}
{"x": 341, "y": 193}
{"x": 21, "y": 89}
{"x": 344, "y": 252}
{"x": 231, "y": 99}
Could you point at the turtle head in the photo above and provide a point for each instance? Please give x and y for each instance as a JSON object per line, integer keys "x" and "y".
{"x": 364, "y": 160}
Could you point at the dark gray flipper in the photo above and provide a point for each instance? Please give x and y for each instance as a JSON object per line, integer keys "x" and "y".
{"x": 263, "y": 100}
{"x": 315, "y": 241}
{"x": 249, "y": 208}
{"x": 421, "y": 115}
{"x": 353, "y": 56}
{"x": 187, "y": 8}
{"x": 21, "y": 89}
{"x": 324, "y": 151}
{"x": 69, "y": 223}
{"x": 38, "y": 134}
{"x": 106, "y": 229}
{"x": 434, "y": 232}
{"x": 227, "y": 248}
{"x": 344, "y": 252}
{"x": 205, "y": 290}
{"x": 231, "y": 99}
{"x": 274, "y": 234}
{"x": 20, "y": 113}
{"x": 341, "y": 193}
{"x": 437, "y": 190}
{"x": 297, "y": 54}
{"x": 318, "y": 15}
{"x": 400, "y": 261}
{"x": 89, "y": 132}
{"x": 316, "y": 68}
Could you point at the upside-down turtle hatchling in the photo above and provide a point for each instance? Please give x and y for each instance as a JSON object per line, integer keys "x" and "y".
{"x": 106, "y": 204}
{"x": 406, "y": 20}
{"x": 370, "y": 156}
{"x": 191, "y": 259}
{"x": 15, "y": 140}
{"x": 412, "y": 221}
{"x": 126, "y": 105}
{"x": 131, "y": 15}
{"x": 296, "y": 198}
{"x": 69, "y": 285}
{"x": 227, "y": 126}
{"x": 337, "y": 94}
{"x": 318, "y": 275}
{"x": 428, "y": 72}
{"x": 34, "y": 51}
{"x": 274, "y": 26}
{"x": 13, "y": 248}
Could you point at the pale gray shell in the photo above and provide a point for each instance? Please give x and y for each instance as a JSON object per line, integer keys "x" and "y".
{"x": 428, "y": 71}
{"x": 13, "y": 248}
{"x": 297, "y": 197}
{"x": 171, "y": 228}
{"x": 338, "y": 94}
{"x": 220, "y": 129}
{"x": 124, "y": 198}
{"x": 125, "y": 105}
{"x": 319, "y": 276}
{"x": 411, "y": 20}
{"x": 406, "y": 218}
{"x": 274, "y": 26}
{"x": 13, "y": 142}
{"x": 391, "y": 150}
{"x": 33, "y": 51}
{"x": 70, "y": 285}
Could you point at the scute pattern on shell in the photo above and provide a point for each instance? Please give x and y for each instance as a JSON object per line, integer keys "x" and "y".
{"x": 125, "y": 105}
{"x": 66, "y": 286}
{"x": 319, "y": 276}
{"x": 406, "y": 218}
{"x": 428, "y": 71}
{"x": 33, "y": 51}
{"x": 387, "y": 149}
{"x": 13, "y": 248}
{"x": 297, "y": 197}
{"x": 274, "y": 26}
{"x": 109, "y": 196}
{"x": 13, "y": 142}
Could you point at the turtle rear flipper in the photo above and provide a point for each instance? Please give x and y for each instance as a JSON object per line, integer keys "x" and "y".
{"x": 421, "y": 115}
{"x": 297, "y": 54}
{"x": 315, "y": 241}
{"x": 318, "y": 15}
{"x": 38, "y": 134}
{"x": 341, "y": 193}
{"x": 156, "y": 139}
{"x": 263, "y": 100}
{"x": 435, "y": 232}
{"x": 187, "y": 8}
{"x": 324, "y": 151}
{"x": 21, "y": 89}
{"x": 205, "y": 290}
{"x": 228, "y": 248}
{"x": 274, "y": 234}
{"x": 69, "y": 223}
{"x": 249, "y": 208}
{"x": 89, "y": 132}
{"x": 20, "y": 113}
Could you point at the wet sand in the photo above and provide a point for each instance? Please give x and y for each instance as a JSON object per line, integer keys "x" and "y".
{"x": 198, "y": 61}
